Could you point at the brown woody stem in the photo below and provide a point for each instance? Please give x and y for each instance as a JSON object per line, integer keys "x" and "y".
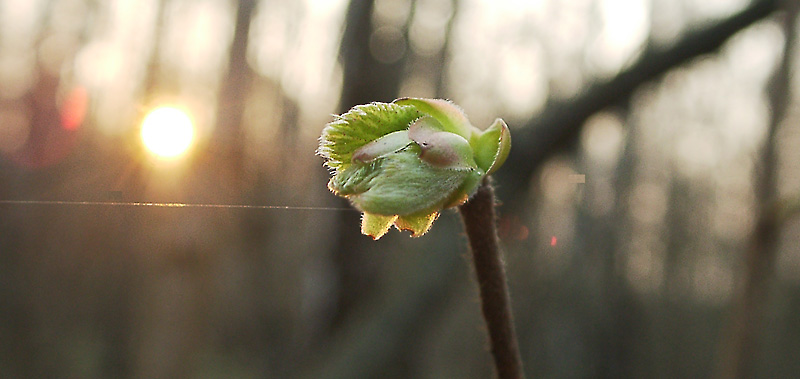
{"x": 479, "y": 222}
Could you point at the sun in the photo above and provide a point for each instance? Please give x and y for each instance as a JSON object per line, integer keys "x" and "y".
{"x": 167, "y": 132}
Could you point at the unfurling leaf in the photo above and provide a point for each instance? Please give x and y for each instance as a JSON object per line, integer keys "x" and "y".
{"x": 401, "y": 163}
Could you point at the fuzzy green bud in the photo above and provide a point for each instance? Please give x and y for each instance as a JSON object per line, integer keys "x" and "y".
{"x": 401, "y": 163}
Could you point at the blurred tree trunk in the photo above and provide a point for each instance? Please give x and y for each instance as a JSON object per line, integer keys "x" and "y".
{"x": 601, "y": 225}
{"x": 173, "y": 317}
{"x": 24, "y": 327}
{"x": 389, "y": 335}
{"x": 236, "y": 85}
{"x": 739, "y": 350}
{"x": 150, "y": 83}
{"x": 624, "y": 311}
{"x": 366, "y": 79}
{"x": 443, "y": 56}
{"x": 19, "y": 351}
{"x": 673, "y": 312}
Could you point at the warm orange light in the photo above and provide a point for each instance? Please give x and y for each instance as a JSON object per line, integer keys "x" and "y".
{"x": 167, "y": 132}
{"x": 73, "y": 108}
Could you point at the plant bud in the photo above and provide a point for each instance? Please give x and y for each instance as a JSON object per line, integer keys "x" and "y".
{"x": 401, "y": 163}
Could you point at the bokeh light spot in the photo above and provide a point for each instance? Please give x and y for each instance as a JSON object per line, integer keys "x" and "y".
{"x": 167, "y": 132}
{"x": 73, "y": 109}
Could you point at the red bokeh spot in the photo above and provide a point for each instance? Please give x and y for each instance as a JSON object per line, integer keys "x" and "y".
{"x": 553, "y": 241}
{"x": 73, "y": 108}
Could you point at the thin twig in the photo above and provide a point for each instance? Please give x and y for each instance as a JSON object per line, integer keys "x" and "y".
{"x": 479, "y": 222}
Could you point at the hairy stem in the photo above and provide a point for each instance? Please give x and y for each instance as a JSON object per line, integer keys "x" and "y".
{"x": 479, "y": 222}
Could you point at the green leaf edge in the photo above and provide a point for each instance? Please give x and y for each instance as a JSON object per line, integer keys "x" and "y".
{"x": 359, "y": 126}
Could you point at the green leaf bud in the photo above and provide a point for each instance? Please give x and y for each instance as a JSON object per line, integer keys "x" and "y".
{"x": 401, "y": 163}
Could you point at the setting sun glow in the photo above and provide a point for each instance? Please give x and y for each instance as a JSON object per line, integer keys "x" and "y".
{"x": 167, "y": 132}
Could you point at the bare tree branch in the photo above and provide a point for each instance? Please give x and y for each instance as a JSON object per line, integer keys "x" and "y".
{"x": 559, "y": 125}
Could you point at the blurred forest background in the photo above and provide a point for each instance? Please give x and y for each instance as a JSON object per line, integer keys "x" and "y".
{"x": 673, "y": 256}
